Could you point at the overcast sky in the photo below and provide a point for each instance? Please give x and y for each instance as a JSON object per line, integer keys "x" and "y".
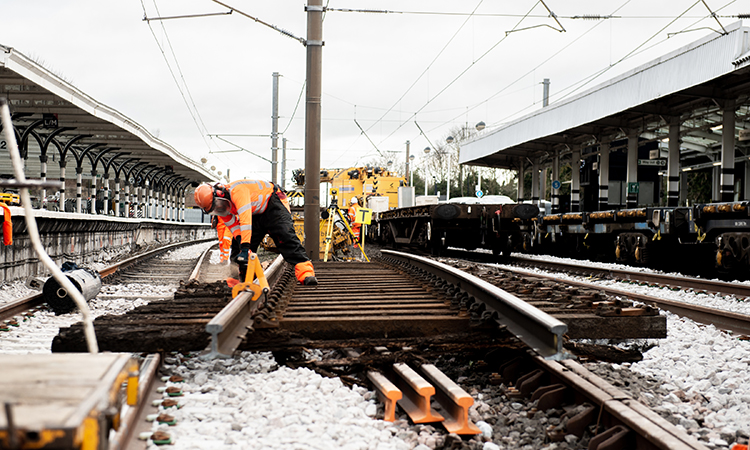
{"x": 430, "y": 63}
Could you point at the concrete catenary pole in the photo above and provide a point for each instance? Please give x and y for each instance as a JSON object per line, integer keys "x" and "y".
{"x": 275, "y": 128}
{"x": 314, "y": 46}
{"x": 408, "y": 168}
{"x": 283, "y": 163}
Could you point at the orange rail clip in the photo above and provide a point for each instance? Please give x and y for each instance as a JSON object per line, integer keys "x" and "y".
{"x": 254, "y": 273}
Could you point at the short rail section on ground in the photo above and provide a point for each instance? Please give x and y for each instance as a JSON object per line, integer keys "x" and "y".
{"x": 404, "y": 387}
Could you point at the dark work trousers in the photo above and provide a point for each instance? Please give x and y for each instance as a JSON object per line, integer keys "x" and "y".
{"x": 276, "y": 221}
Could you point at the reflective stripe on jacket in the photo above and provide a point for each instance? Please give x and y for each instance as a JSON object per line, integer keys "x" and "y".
{"x": 248, "y": 197}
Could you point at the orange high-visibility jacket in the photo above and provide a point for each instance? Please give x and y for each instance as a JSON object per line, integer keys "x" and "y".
{"x": 353, "y": 214}
{"x": 248, "y": 197}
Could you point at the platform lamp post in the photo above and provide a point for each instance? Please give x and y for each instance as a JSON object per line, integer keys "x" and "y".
{"x": 411, "y": 172}
{"x": 426, "y": 152}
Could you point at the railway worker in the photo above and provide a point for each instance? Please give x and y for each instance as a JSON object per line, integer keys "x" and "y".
{"x": 352, "y": 215}
{"x": 245, "y": 206}
{"x": 225, "y": 238}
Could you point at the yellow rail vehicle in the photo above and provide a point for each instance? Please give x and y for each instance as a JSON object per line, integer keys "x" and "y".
{"x": 360, "y": 182}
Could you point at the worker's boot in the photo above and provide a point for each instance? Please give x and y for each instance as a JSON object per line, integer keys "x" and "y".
{"x": 311, "y": 281}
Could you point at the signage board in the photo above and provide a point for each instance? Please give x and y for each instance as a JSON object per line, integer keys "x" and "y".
{"x": 652, "y": 162}
{"x": 364, "y": 216}
{"x": 50, "y": 120}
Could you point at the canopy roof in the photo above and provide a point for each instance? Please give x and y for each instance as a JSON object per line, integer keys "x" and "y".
{"x": 691, "y": 85}
{"x": 34, "y": 93}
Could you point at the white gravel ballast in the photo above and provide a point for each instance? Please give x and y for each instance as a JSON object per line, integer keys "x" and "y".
{"x": 248, "y": 402}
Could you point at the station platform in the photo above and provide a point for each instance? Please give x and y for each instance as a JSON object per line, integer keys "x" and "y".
{"x": 64, "y": 400}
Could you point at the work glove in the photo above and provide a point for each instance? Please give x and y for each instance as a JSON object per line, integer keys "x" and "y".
{"x": 244, "y": 256}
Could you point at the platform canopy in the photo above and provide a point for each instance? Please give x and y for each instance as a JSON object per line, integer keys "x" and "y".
{"x": 690, "y": 85}
{"x": 34, "y": 93}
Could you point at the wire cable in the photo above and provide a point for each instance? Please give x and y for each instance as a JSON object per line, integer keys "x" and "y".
{"x": 299, "y": 99}
{"x": 460, "y": 74}
{"x": 632, "y": 52}
{"x": 428, "y": 66}
{"x": 174, "y": 77}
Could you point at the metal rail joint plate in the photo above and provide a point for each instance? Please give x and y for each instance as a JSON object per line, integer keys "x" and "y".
{"x": 537, "y": 329}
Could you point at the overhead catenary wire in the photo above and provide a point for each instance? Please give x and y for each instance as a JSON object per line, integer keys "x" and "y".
{"x": 428, "y": 66}
{"x": 632, "y": 52}
{"x": 459, "y": 75}
{"x": 554, "y": 55}
{"x": 594, "y": 75}
{"x": 194, "y": 110}
{"x": 532, "y": 16}
{"x": 273, "y": 27}
{"x": 368, "y": 138}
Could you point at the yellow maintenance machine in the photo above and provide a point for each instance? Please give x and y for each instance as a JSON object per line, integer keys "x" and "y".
{"x": 359, "y": 182}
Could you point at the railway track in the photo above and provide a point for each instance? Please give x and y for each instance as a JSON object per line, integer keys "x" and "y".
{"x": 386, "y": 324}
{"x": 650, "y": 278}
{"x": 137, "y": 268}
{"x": 726, "y": 320}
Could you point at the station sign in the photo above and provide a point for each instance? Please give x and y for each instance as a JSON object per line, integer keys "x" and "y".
{"x": 652, "y": 162}
{"x": 479, "y": 194}
{"x": 556, "y": 184}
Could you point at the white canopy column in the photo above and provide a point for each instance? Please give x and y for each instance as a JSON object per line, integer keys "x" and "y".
{"x": 555, "y": 178}
{"x": 604, "y": 176}
{"x": 575, "y": 181}
{"x": 632, "y": 169}
{"x": 673, "y": 163}
{"x": 535, "y": 182}
{"x": 727, "y": 152}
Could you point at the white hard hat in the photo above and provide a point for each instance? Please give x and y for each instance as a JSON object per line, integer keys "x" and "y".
{"x": 354, "y": 200}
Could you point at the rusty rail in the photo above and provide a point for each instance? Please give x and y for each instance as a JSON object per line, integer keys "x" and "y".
{"x": 617, "y": 410}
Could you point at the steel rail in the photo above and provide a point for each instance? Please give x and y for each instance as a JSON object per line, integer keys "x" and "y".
{"x": 535, "y": 328}
{"x": 682, "y": 282}
{"x": 653, "y": 431}
{"x": 725, "y": 320}
{"x": 229, "y": 327}
{"x": 15, "y": 307}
